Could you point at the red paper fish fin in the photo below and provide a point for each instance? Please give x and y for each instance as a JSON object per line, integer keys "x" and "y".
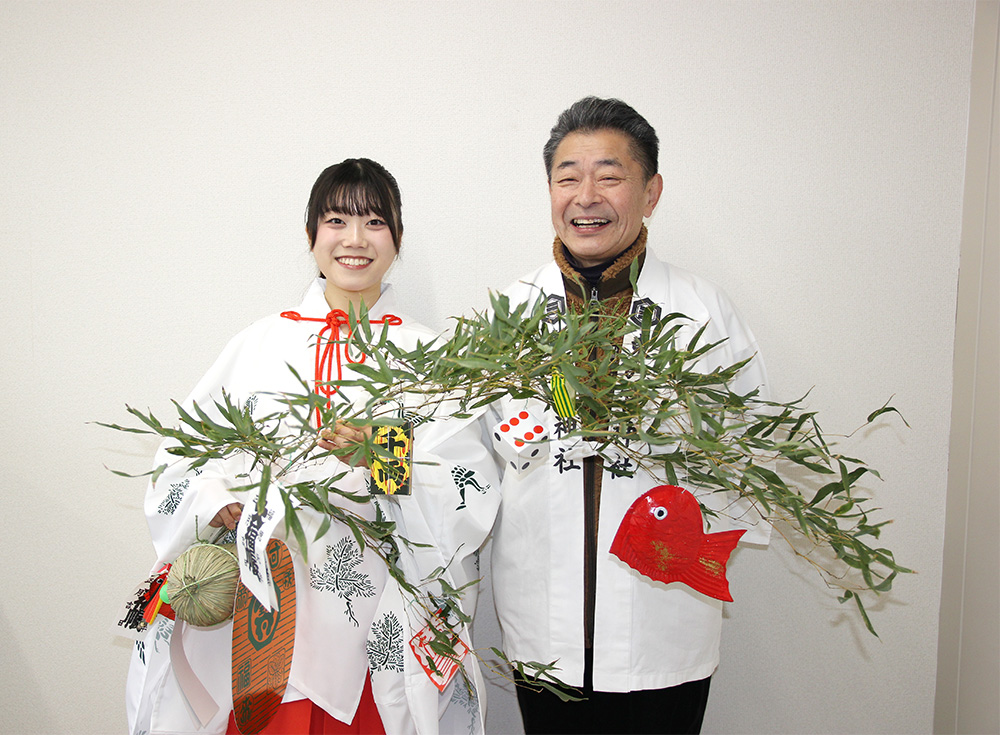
{"x": 708, "y": 573}
{"x": 620, "y": 543}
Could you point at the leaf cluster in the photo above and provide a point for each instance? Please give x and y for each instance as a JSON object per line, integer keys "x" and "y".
{"x": 652, "y": 391}
{"x": 648, "y": 390}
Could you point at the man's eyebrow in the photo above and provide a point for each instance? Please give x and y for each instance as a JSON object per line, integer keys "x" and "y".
{"x": 603, "y": 162}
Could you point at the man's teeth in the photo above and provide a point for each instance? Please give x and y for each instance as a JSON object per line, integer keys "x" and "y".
{"x": 591, "y": 222}
{"x": 354, "y": 261}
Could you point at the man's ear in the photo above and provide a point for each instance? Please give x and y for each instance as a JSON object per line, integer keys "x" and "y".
{"x": 654, "y": 188}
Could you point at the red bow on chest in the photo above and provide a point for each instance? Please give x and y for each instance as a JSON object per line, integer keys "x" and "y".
{"x": 330, "y": 349}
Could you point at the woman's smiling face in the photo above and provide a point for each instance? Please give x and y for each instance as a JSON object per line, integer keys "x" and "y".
{"x": 353, "y": 252}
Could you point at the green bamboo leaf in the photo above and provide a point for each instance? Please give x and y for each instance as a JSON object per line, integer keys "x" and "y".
{"x": 126, "y": 474}
{"x": 825, "y": 492}
{"x": 886, "y": 584}
{"x": 157, "y": 472}
{"x": 845, "y": 508}
{"x": 324, "y": 526}
{"x": 477, "y": 363}
{"x": 356, "y": 532}
{"x": 265, "y": 480}
{"x": 671, "y": 474}
{"x": 864, "y": 616}
{"x": 695, "y": 412}
{"x": 126, "y": 429}
{"x": 886, "y": 408}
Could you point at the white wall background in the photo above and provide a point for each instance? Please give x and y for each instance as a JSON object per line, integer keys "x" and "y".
{"x": 156, "y": 160}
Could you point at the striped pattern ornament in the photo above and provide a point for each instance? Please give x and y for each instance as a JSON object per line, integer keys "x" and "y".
{"x": 263, "y": 643}
{"x": 562, "y": 396}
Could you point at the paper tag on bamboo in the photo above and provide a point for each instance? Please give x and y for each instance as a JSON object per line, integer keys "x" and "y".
{"x": 392, "y": 464}
{"x": 252, "y": 535}
{"x": 439, "y": 667}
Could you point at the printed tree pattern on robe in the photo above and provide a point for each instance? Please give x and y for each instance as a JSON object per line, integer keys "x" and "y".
{"x": 140, "y": 649}
{"x": 464, "y": 696}
{"x": 339, "y": 574}
{"x": 385, "y": 644}
{"x": 163, "y": 632}
{"x": 464, "y": 479}
{"x": 173, "y": 500}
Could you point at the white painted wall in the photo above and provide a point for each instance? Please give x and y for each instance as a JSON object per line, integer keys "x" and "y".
{"x": 156, "y": 160}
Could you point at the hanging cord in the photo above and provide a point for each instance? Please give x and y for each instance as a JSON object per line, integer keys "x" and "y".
{"x": 328, "y": 349}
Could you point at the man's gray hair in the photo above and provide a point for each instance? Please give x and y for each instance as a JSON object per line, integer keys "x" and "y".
{"x": 592, "y": 114}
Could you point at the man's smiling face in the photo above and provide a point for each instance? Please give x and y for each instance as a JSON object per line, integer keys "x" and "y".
{"x": 599, "y": 195}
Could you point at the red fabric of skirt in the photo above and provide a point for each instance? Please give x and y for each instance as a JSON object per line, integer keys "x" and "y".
{"x": 302, "y": 717}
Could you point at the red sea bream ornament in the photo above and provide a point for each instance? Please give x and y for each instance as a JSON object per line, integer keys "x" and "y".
{"x": 662, "y": 537}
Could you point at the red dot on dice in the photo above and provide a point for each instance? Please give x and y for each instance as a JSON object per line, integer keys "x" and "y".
{"x": 529, "y": 436}
{"x": 539, "y": 429}
{"x": 518, "y": 443}
{"x": 514, "y": 421}
{"x": 505, "y": 427}
{"x": 523, "y": 414}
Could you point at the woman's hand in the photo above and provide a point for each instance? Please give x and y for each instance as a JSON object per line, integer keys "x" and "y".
{"x": 344, "y": 438}
{"x": 229, "y": 516}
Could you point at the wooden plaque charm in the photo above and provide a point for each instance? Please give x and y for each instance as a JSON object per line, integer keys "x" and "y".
{"x": 263, "y": 642}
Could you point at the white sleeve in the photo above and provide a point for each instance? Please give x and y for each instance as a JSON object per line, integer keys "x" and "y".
{"x": 181, "y": 498}
{"x": 455, "y": 494}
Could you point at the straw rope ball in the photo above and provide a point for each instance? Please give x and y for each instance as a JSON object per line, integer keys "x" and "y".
{"x": 201, "y": 585}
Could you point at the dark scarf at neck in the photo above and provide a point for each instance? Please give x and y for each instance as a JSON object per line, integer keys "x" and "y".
{"x": 611, "y": 279}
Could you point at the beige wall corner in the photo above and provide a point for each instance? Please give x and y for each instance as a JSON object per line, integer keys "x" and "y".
{"x": 969, "y": 638}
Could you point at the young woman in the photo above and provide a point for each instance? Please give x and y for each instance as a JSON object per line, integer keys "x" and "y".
{"x": 353, "y": 668}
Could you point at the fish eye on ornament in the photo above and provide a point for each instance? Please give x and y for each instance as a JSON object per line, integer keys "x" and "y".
{"x": 659, "y": 512}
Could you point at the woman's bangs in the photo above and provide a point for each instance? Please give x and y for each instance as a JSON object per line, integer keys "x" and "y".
{"x": 355, "y": 199}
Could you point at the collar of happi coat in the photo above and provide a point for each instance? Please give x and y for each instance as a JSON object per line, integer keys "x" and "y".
{"x": 614, "y": 279}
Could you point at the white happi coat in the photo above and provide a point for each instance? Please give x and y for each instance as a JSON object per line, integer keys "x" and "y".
{"x": 647, "y": 635}
{"x": 340, "y": 630}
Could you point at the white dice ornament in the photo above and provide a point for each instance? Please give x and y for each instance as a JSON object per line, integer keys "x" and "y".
{"x": 521, "y": 441}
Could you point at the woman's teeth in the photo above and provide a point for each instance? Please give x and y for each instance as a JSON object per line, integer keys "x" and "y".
{"x": 354, "y": 261}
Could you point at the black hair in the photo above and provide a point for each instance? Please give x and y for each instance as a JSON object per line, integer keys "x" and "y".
{"x": 356, "y": 186}
{"x": 592, "y": 114}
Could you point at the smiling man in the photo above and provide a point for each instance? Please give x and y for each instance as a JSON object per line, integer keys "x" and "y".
{"x": 600, "y": 194}
{"x": 642, "y": 652}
